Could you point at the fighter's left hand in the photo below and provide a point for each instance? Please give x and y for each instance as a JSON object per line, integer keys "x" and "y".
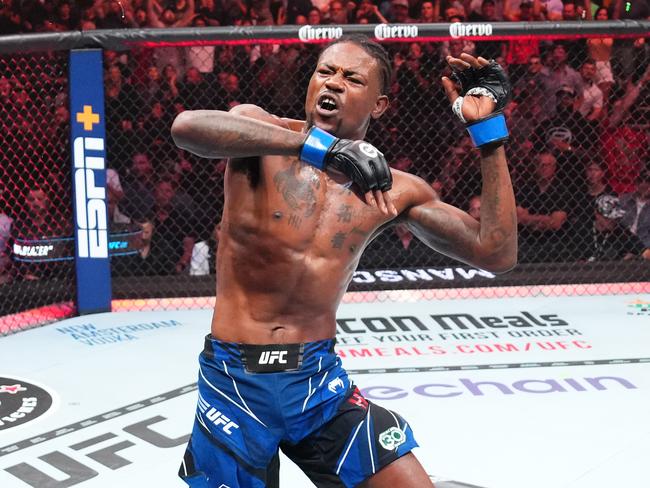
{"x": 474, "y": 106}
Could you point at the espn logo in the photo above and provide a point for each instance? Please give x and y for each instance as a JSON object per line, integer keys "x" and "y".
{"x": 90, "y": 198}
{"x": 271, "y": 357}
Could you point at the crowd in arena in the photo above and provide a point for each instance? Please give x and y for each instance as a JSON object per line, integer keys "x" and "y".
{"x": 579, "y": 121}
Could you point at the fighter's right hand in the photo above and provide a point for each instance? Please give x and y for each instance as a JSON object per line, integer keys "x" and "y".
{"x": 360, "y": 161}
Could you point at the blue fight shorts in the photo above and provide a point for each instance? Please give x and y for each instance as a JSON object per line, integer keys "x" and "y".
{"x": 295, "y": 397}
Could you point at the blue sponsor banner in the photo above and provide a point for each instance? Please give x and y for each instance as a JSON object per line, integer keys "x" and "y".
{"x": 88, "y": 136}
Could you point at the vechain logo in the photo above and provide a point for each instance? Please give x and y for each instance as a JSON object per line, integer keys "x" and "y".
{"x": 309, "y": 33}
{"x": 458, "y": 29}
{"x": 467, "y": 386}
{"x": 92, "y": 222}
{"x": 401, "y": 31}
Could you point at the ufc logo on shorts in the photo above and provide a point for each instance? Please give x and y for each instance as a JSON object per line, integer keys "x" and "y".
{"x": 270, "y": 357}
{"x": 216, "y": 417}
{"x": 90, "y": 199}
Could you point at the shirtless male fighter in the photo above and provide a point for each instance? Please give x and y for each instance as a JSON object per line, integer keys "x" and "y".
{"x": 302, "y": 200}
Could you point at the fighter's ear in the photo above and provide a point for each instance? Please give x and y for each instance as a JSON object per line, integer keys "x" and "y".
{"x": 381, "y": 104}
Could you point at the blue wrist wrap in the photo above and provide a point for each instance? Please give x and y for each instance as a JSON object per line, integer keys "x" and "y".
{"x": 491, "y": 129}
{"x": 316, "y": 146}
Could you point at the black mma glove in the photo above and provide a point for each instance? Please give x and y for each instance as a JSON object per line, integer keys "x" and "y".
{"x": 490, "y": 81}
{"x": 358, "y": 160}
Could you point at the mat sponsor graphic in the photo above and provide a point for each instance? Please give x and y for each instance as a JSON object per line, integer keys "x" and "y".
{"x": 98, "y": 445}
{"x": 490, "y": 387}
{"x": 21, "y": 402}
{"x": 91, "y": 335}
{"x": 638, "y": 307}
{"x": 455, "y": 333}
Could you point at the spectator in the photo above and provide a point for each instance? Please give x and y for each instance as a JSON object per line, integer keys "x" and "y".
{"x": 338, "y": 14}
{"x": 314, "y": 16}
{"x": 195, "y": 92}
{"x": 458, "y": 178}
{"x": 5, "y": 235}
{"x": 542, "y": 214}
{"x": 231, "y": 89}
{"x": 175, "y": 230}
{"x": 297, "y": 8}
{"x": 626, "y": 142}
{"x": 569, "y": 10}
{"x": 593, "y": 185}
{"x": 147, "y": 261}
{"x": 591, "y": 105}
{"x": 166, "y": 17}
{"x": 37, "y": 220}
{"x": 370, "y": 13}
{"x": 211, "y": 12}
{"x": 10, "y": 19}
{"x": 487, "y": 49}
{"x": 200, "y": 57}
{"x": 138, "y": 187}
{"x": 115, "y": 215}
{"x": 530, "y": 85}
{"x": 519, "y": 52}
{"x": 429, "y": 12}
{"x": 636, "y": 206}
{"x": 112, "y": 16}
{"x": 557, "y": 75}
{"x": 567, "y": 134}
{"x": 629, "y": 53}
{"x": 600, "y": 50}
{"x": 610, "y": 240}
{"x": 204, "y": 254}
{"x": 399, "y": 12}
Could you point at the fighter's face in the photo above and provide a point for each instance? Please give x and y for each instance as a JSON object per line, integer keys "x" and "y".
{"x": 345, "y": 91}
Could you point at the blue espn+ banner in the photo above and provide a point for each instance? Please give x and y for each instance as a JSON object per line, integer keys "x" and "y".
{"x": 88, "y": 136}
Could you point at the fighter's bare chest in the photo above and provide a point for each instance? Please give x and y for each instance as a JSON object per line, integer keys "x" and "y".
{"x": 304, "y": 204}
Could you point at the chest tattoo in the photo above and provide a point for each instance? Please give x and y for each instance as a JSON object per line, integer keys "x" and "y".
{"x": 298, "y": 192}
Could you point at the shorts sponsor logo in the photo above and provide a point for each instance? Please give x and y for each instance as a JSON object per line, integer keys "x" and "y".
{"x": 335, "y": 384}
{"x": 309, "y": 33}
{"x": 21, "y": 402}
{"x": 392, "y": 438}
{"x": 271, "y": 357}
{"x": 401, "y": 31}
{"x": 459, "y": 29}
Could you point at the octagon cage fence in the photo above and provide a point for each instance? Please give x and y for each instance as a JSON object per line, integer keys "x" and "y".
{"x": 578, "y": 156}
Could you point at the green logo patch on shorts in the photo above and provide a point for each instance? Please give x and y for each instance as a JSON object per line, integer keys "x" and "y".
{"x": 392, "y": 438}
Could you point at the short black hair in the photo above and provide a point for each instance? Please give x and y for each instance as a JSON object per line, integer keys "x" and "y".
{"x": 375, "y": 50}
